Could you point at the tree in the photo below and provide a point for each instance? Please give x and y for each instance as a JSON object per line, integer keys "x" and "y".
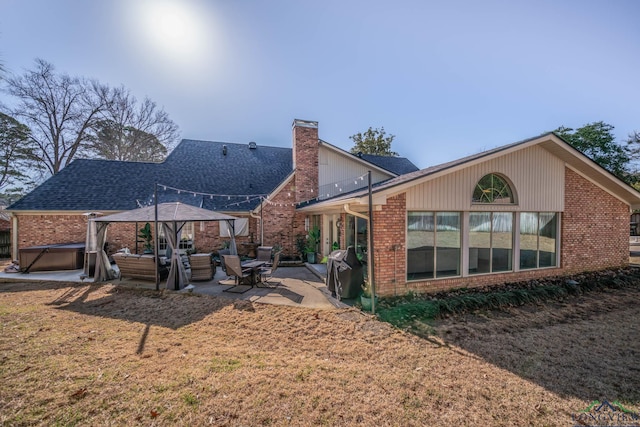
{"x": 60, "y": 111}
{"x": 633, "y": 150}
{"x": 115, "y": 142}
{"x": 596, "y": 141}
{"x": 15, "y": 153}
{"x": 132, "y": 131}
{"x": 373, "y": 141}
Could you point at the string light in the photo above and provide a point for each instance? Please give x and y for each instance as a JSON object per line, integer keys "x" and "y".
{"x": 262, "y": 197}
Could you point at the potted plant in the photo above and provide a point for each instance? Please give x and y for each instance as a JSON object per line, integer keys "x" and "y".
{"x": 313, "y": 238}
{"x": 145, "y": 235}
{"x": 365, "y": 297}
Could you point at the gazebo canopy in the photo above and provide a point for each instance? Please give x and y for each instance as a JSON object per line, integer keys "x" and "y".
{"x": 172, "y": 216}
{"x": 176, "y": 211}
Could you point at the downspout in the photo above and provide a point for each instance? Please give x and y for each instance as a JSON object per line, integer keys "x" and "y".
{"x": 14, "y": 237}
{"x": 253, "y": 215}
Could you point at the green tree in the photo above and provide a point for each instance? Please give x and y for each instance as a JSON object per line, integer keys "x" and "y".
{"x": 15, "y": 154}
{"x": 115, "y": 142}
{"x": 633, "y": 150}
{"x": 373, "y": 141}
{"x": 596, "y": 141}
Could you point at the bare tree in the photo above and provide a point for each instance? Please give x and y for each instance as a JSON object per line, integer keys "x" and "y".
{"x": 133, "y": 131}
{"x": 60, "y": 111}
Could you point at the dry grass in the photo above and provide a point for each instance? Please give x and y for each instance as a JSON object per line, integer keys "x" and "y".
{"x": 99, "y": 354}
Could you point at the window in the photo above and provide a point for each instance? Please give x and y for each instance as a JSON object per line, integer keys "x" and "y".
{"x": 240, "y": 227}
{"x": 492, "y": 188}
{"x": 433, "y": 245}
{"x": 356, "y": 236}
{"x": 186, "y": 238}
{"x": 538, "y": 234}
{"x": 490, "y": 242}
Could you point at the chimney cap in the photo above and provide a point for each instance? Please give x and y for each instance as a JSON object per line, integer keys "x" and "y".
{"x": 305, "y": 123}
{"x": 253, "y": 145}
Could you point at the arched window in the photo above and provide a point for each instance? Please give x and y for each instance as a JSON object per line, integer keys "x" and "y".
{"x": 493, "y": 188}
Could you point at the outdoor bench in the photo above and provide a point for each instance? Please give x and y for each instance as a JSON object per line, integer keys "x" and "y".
{"x": 139, "y": 266}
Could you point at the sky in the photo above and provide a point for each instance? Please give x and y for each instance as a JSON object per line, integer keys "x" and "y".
{"x": 447, "y": 78}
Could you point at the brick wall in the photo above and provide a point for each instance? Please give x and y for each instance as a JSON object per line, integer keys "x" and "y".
{"x": 71, "y": 228}
{"x": 278, "y": 216}
{"x": 50, "y": 229}
{"x": 305, "y": 153}
{"x": 594, "y": 236}
{"x": 595, "y": 227}
{"x": 389, "y": 231}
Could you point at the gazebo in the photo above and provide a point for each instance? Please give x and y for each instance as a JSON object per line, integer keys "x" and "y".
{"x": 173, "y": 217}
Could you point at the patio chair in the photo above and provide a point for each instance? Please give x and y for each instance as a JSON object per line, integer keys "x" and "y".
{"x": 234, "y": 268}
{"x": 221, "y": 254}
{"x": 266, "y": 273}
{"x": 264, "y": 253}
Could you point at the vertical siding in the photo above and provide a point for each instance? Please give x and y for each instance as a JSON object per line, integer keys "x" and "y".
{"x": 536, "y": 175}
{"x": 335, "y": 168}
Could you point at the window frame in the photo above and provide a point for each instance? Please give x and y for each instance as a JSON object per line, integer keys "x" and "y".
{"x": 186, "y": 243}
{"x": 507, "y": 183}
{"x": 434, "y": 230}
{"x": 556, "y": 253}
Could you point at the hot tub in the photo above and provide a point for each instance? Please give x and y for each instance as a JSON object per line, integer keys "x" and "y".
{"x": 65, "y": 256}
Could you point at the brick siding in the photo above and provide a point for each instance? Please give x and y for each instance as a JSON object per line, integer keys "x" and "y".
{"x": 595, "y": 227}
{"x": 594, "y": 236}
{"x": 389, "y": 232}
{"x": 50, "y": 229}
{"x": 306, "y": 149}
{"x": 279, "y": 217}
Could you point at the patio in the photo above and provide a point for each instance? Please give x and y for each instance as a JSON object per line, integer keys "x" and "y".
{"x": 302, "y": 286}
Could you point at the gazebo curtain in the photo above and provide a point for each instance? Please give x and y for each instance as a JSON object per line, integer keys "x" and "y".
{"x": 103, "y": 270}
{"x": 233, "y": 249}
{"x": 177, "y": 274}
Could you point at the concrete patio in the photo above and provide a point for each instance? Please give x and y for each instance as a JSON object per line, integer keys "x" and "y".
{"x": 301, "y": 286}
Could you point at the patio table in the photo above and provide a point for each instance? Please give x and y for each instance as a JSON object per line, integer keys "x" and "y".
{"x": 255, "y": 269}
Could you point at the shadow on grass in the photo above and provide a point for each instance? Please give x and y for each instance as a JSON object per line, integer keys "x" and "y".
{"x": 585, "y": 347}
{"x": 582, "y": 345}
{"x": 32, "y": 285}
{"x": 155, "y": 308}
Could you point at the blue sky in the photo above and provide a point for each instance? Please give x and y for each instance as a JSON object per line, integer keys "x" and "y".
{"x": 448, "y": 78}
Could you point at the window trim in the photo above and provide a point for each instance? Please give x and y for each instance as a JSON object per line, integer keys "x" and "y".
{"x": 461, "y": 259}
{"x": 464, "y": 245}
{"x": 508, "y": 182}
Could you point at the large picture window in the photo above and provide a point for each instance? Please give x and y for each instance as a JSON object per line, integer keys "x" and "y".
{"x": 538, "y": 235}
{"x": 433, "y": 245}
{"x": 490, "y": 242}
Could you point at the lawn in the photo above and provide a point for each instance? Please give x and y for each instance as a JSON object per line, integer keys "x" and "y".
{"x": 73, "y": 354}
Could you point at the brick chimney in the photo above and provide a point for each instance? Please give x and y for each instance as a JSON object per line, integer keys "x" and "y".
{"x": 305, "y": 159}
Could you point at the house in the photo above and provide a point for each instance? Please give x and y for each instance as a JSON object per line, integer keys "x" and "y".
{"x": 256, "y": 183}
{"x": 531, "y": 209}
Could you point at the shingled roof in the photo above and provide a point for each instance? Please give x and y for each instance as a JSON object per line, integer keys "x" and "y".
{"x": 396, "y": 165}
{"x": 195, "y": 166}
{"x": 237, "y": 174}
